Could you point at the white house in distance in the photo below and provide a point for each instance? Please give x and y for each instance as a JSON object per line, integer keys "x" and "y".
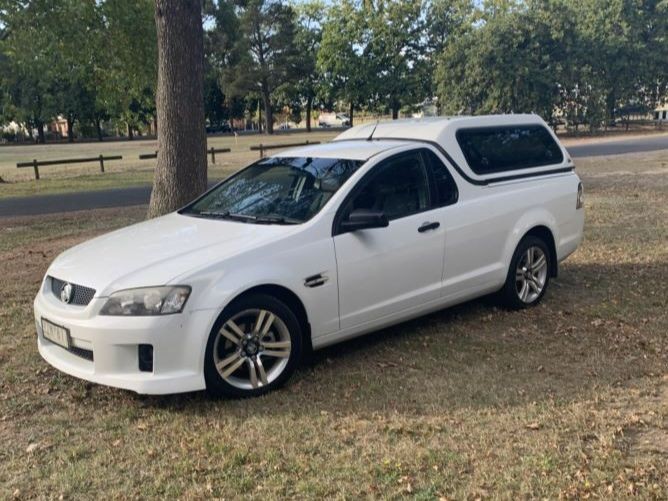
{"x": 661, "y": 113}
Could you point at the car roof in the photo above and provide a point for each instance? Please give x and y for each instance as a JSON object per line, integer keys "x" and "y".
{"x": 436, "y": 129}
{"x": 350, "y": 150}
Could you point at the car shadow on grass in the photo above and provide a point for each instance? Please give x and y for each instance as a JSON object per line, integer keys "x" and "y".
{"x": 589, "y": 332}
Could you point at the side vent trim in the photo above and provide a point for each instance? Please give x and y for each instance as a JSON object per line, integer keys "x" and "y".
{"x": 315, "y": 280}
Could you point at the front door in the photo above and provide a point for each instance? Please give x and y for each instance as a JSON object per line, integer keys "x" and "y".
{"x": 382, "y": 271}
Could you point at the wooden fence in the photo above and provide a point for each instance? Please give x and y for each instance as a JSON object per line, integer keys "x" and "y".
{"x": 36, "y": 164}
{"x": 211, "y": 151}
{"x": 263, "y": 147}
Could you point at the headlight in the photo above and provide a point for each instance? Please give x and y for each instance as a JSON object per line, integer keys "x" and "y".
{"x": 147, "y": 301}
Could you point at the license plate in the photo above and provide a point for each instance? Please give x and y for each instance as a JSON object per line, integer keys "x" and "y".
{"x": 56, "y": 333}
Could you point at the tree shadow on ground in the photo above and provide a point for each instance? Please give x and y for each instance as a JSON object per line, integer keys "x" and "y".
{"x": 590, "y": 332}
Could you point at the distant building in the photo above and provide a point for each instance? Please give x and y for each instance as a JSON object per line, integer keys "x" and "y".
{"x": 661, "y": 113}
{"x": 58, "y": 126}
{"x": 427, "y": 108}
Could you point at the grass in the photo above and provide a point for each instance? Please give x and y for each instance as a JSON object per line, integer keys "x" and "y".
{"x": 134, "y": 172}
{"x": 566, "y": 400}
{"x": 121, "y": 173}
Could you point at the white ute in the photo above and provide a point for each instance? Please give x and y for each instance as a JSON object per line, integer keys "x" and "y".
{"x": 313, "y": 246}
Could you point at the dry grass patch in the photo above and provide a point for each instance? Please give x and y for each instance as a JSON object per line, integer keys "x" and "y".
{"x": 567, "y": 400}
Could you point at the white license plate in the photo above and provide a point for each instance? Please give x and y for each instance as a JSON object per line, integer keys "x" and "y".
{"x": 56, "y": 333}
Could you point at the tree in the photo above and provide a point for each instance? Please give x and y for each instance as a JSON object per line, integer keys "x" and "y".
{"x": 181, "y": 170}
{"x": 126, "y": 79}
{"x": 264, "y": 56}
{"x": 397, "y": 51}
{"x": 510, "y": 61}
{"x": 307, "y": 40}
{"x": 343, "y": 58}
{"x": 29, "y": 70}
{"x": 219, "y": 43}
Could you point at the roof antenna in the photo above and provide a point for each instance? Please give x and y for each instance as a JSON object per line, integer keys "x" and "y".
{"x": 374, "y": 130}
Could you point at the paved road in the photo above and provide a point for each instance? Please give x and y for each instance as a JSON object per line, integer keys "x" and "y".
{"x": 125, "y": 197}
{"x": 83, "y": 200}
{"x": 621, "y": 146}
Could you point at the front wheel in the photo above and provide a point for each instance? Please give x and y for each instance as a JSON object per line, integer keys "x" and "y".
{"x": 253, "y": 348}
{"x": 528, "y": 275}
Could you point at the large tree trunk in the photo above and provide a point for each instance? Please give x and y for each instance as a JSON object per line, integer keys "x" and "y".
{"x": 309, "y": 109}
{"x": 180, "y": 173}
{"x": 268, "y": 112}
{"x": 131, "y": 134}
{"x": 352, "y": 108}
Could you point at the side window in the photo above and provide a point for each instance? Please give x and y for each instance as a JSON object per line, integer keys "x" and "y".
{"x": 446, "y": 192}
{"x": 399, "y": 188}
{"x": 497, "y": 149}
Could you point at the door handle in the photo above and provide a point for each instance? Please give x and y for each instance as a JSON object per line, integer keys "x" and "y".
{"x": 429, "y": 226}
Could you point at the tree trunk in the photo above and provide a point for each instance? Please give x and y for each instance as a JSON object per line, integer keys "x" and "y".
{"x": 268, "y": 112}
{"x": 131, "y": 134}
{"x": 180, "y": 173}
{"x": 309, "y": 108}
{"x": 352, "y": 108}
{"x": 70, "y": 129}
{"x": 98, "y": 128}
{"x": 40, "y": 132}
{"x": 395, "y": 111}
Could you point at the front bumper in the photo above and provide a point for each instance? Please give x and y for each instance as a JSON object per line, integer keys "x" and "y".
{"x": 179, "y": 342}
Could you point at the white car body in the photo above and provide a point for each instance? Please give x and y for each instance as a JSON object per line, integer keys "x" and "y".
{"x": 367, "y": 280}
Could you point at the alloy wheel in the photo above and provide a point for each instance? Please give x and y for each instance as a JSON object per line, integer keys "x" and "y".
{"x": 252, "y": 349}
{"x": 531, "y": 274}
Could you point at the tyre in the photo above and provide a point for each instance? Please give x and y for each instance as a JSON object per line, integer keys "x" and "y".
{"x": 528, "y": 275}
{"x": 254, "y": 347}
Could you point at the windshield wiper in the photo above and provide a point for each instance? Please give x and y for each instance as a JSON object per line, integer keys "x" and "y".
{"x": 212, "y": 214}
{"x": 248, "y": 217}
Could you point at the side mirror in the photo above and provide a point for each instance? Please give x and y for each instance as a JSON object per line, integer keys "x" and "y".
{"x": 361, "y": 219}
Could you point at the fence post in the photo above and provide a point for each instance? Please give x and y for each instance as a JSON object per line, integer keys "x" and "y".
{"x": 261, "y": 151}
{"x": 34, "y": 166}
{"x": 101, "y": 164}
{"x": 213, "y": 155}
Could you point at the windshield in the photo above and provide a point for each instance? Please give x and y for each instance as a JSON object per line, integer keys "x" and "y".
{"x": 279, "y": 190}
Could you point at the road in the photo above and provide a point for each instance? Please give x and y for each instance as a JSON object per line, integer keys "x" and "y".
{"x": 125, "y": 197}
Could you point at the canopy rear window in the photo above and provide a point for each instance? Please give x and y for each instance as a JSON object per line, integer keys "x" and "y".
{"x": 498, "y": 149}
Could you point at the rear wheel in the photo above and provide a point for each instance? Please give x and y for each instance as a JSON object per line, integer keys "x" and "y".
{"x": 528, "y": 275}
{"x": 253, "y": 348}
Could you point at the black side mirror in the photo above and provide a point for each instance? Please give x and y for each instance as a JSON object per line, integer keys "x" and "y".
{"x": 361, "y": 219}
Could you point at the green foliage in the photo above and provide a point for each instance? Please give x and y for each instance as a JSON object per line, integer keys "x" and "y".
{"x": 343, "y": 59}
{"x": 397, "y": 52}
{"x": 262, "y": 56}
{"x": 80, "y": 59}
{"x": 586, "y": 62}
{"x": 581, "y": 60}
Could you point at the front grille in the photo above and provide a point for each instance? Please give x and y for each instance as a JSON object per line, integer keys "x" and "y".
{"x": 81, "y": 295}
{"x": 80, "y": 352}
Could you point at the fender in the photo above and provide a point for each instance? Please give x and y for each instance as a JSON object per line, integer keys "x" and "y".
{"x": 535, "y": 217}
